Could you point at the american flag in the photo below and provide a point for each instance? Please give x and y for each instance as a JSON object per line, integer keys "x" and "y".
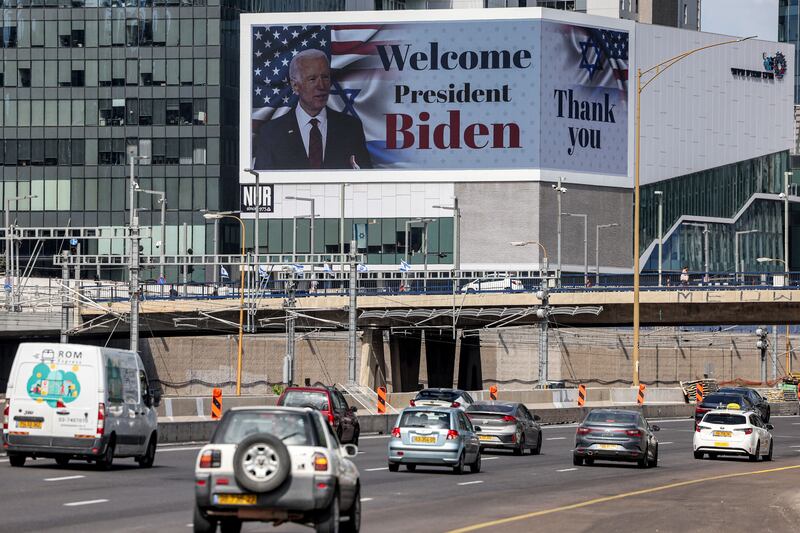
{"x": 611, "y": 47}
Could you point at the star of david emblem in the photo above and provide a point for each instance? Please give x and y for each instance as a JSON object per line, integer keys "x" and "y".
{"x": 594, "y": 63}
{"x": 348, "y": 97}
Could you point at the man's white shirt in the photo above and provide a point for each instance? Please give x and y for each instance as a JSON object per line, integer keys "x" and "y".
{"x": 304, "y": 122}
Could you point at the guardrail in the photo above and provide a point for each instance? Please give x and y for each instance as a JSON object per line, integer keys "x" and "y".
{"x": 320, "y": 283}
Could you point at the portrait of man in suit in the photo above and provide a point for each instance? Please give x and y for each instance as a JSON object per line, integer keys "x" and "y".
{"x": 311, "y": 135}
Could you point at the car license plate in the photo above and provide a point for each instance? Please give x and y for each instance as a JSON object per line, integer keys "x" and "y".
{"x": 723, "y": 434}
{"x": 425, "y": 440}
{"x": 607, "y": 446}
{"x": 236, "y": 499}
{"x": 30, "y": 424}
{"x": 486, "y": 437}
{"x": 721, "y": 444}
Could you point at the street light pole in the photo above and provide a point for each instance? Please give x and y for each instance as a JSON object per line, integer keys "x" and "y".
{"x": 585, "y": 243}
{"x": 660, "y": 195}
{"x": 597, "y": 249}
{"x": 456, "y": 232}
{"x": 134, "y": 264}
{"x": 542, "y": 312}
{"x": 559, "y": 191}
{"x": 653, "y": 73}
{"x": 786, "y": 221}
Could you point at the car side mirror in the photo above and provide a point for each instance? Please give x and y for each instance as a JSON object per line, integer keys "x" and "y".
{"x": 655, "y": 427}
{"x": 350, "y": 450}
{"x": 477, "y": 429}
{"x": 770, "y": 427}
{"x": 537, "y": 418}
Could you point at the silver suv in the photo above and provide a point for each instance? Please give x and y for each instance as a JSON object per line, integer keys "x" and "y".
{"x": 276, "y": 464}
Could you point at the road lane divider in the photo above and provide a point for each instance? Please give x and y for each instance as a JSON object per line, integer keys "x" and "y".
{"x": 366, "y": 500}
{"x": 63, "y": 478}
{"x": 85, "y": 502}
{"x": 596, "y": 501}
{"x": 567, "y": 470}
{"x": 376, "y": 469}
{"x": 470, "y": 483}
{"x": 556, "y": 438}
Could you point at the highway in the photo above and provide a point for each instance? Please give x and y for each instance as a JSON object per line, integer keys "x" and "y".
{"x": 541, "y": 493}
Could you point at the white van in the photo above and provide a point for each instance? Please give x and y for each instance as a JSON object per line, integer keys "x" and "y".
{"x": 71, "y": 401}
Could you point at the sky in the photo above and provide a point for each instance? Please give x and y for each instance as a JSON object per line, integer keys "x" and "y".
{"x": 741, "y": 18}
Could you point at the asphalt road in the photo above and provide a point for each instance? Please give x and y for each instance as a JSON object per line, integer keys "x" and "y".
{"x": 542, "y": 493}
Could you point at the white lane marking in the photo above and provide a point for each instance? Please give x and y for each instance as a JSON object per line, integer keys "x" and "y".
{"x": 162, "y": 450}
{"x": 470, "y": 482}
{"x": 376, "y": 469}
{"x": 366, "y": 500}
{"x": 556, "y": 438}
{"x": 85, "y": 502}
{"x": 361, "y": 453}
{"x": 367, "y": 437}
{"x": 566, "y": 470}
{"x": 489, "y": 458}
{"x": 62, "y": 478}
{"x": 668, "y": 442}
{"x": 795, "y": 446}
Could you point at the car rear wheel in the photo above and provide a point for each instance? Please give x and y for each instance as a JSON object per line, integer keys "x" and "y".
{"x": 768, "y": 457}
{"x": 201, "y": 524}
{"x": 230, "y": 525}
{"x": 754, "y": 457}
{"x": 411, "y": 467}
{"x": 16, "y": 460}
{"x": 644, "y": 460}
{"x": 654, "y": 460}
{"x": 520, "y": 449}
{"x": 149, "y": 457}
{"x": 261, "y": 463}
{"x": 62, "y": 460}
{"x": 538, "y": 449}
{"x": 353, "y": 523}
{"x": 459, "y": 468}
{"x": 105, "y": 461}
{"x": 475, "y": 467}
{"x": 394, "y": 467}
{"x": 577, "y": 461}
{"x": 328, "y": 519}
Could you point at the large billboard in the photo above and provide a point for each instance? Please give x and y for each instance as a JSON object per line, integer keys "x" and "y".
{"x": 438, "y": 100}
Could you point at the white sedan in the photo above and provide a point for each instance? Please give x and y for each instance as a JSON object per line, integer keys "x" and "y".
{"x": 493, "y": 284}
{"x": 733, "y": 432}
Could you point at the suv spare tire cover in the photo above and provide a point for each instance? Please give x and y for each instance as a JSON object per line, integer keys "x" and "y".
{"x": 261, "y": 463}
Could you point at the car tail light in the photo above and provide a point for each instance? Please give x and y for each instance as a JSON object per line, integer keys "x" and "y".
{"x": 452, "y": 434}
{"x": 331, "y": 418}
{"x": 747, "y": 431}
{"x": 698, "y": 428}
{"x": 455, "y": 404}
{"x": 700, "y": 410}
{"x": 633, "y": 433}
{"x": 210, "y": 459}
{"x": 396, "y": 433}
{"x": 509, "y": 418}
{"x": 584, "y": 431}
{"x": 320, "y": 462}
{"x": 6, "y": 411}
{"x": 101, "y": 419}
{"x": 412, "y": 403}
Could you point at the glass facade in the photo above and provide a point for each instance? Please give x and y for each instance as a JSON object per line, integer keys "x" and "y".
{"x": 720, "y": 193}
{"x": 789, "y": 32}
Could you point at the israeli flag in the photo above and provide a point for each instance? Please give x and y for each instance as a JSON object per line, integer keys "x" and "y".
{"x": 327, "y": 268}
{"x": 223, "y": 272}
{"x": 263, "y": 272}
{"x": 298, "y": 268}
{"x": 362, "y": 268}
{"x": 404, "y": 267}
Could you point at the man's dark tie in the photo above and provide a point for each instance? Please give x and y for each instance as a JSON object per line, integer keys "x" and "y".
{"x": 315, "y": 145}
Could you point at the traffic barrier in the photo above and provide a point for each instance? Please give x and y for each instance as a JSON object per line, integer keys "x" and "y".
{"x": 381, "y": 400}
{"x": 640, "y": 396}
{"x": 581, "y": 395}
{"x": 493, "y": 392}
{"x": 216, "y": 404}
{"x": 698, "y": 393}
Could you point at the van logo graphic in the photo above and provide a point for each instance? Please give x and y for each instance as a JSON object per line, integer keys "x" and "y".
{"x": 55, "y": 387}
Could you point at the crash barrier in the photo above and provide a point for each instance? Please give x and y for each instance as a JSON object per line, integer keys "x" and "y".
{"x": 640, "y": 396}
{"x": 216, "y": 404}
{"x": 381, "y": 400}
{"x": 698, "y": 393}
{"x": 493, "y": 392}
{"x": 581, "y": 395}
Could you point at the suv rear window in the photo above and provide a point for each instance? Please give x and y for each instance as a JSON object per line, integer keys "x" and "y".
{"x": 447, "y": 396}
{"x": 425, "y": 419}
{"x": 606, "y": 417}
{"x": 305, "y": 398}
{"x": 293, "y": 429}
{"x": 723, "y": 399}
{"x": 724, "y": 418}
{"x": 487, "y": 408}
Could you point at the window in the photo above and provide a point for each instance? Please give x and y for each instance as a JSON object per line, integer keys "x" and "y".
{"x": 77, "y": 78}
{"x": 685, "y": 14}
{"x": 145, "y": 112}
{"x": 25, "y": 77}
{"x": 132, "y": 32}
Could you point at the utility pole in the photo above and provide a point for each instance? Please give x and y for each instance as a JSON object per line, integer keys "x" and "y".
{"x": 660, "y": 195}
{"x": 216, "y": 251}
{"x": 134, "y": 264}
{"x": 353, "y": 322}
{"x": 559, "y": 191}
{"x": 288, "y": 360}
{"x": 65, "y": 303}
{"x": 185, "y": 268}
{"x": 542, "y": 313}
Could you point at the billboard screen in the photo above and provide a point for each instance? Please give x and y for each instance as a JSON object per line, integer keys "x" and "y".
{"x": 435, "y": 98}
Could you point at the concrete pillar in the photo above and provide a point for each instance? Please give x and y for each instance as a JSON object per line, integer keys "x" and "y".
{"x": 404, "y": 355}
{"x": 469, "y": 368}
{"x": 456, "y": 358}
{"x": 373, "y": 361}
{"x": 423, "y": 360}
{"x": 440, "y": 351}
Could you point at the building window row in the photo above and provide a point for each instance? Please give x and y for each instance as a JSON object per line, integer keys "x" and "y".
{"x": 108, "y": 112}
{"x": 156, "y": 27}
{"x": 106, "y": 3}
{"x": 110, "y": 73}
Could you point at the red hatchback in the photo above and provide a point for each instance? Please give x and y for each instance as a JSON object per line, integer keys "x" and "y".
{"x": 331, "y": 402}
